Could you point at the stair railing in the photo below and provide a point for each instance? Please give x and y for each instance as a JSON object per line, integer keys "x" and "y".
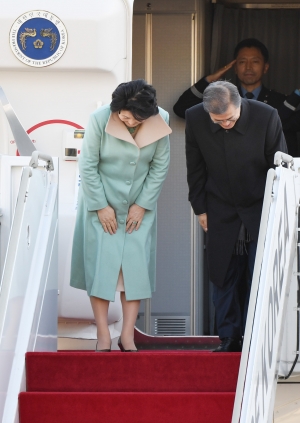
{"x": 273, "y": 270}
{"x": 28, "y": 290}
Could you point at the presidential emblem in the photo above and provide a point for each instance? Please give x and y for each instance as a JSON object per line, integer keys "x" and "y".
{"x": 38, "y": 38}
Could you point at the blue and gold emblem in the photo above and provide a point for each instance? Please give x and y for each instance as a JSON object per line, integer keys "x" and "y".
{"x": 38, "y": 38}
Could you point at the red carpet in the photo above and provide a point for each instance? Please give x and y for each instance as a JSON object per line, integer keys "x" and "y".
{"x": 144, "y": 387}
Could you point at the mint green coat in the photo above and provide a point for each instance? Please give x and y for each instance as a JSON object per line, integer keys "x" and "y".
{"x": 118, "y": 170}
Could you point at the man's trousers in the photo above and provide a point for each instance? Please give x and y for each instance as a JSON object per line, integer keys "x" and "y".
{"x": 231, "y": 301}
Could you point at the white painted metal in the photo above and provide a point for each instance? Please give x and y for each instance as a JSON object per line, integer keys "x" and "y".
{"x": 25, "y": 146}
{"x": 28, "y": 293}
{"x": 257, "y": 381}
{"x": 10, "y": 176}
{"x": 52, "y": 101}
{"x": 252, "y": 302}
{"x": 289, "y": 341}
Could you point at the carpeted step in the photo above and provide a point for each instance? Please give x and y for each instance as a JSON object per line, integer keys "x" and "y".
{"x": 142, "y": 407}
{"x": 132, "y": 372}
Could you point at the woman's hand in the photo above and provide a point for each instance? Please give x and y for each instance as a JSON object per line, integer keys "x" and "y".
{"x": 220, "y": 72}
{"x": 203, "y": 221}
{"x": 134, "y": 218}
{"x": 107, "y": 218}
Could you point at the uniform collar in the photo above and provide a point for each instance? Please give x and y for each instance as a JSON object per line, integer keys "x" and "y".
{"x": 153, "y": 129}
{"x": 241, "y": 124}
{"x": 255, "y": 92}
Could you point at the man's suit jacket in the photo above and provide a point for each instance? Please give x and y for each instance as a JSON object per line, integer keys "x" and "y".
{"x": 226, "y": 173}
{"x": 285, "y": 105}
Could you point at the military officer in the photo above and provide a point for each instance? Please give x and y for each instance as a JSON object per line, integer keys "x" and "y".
{"x": 251, "y": 63}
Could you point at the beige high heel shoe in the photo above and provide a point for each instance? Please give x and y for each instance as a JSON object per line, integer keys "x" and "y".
{"x": 122, "y": 348}
{"x": 105, "y": 350}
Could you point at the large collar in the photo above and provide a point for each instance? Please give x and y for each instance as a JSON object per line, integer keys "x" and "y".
{"x": 153, "y": 129}
{"x": 241, "y": 124}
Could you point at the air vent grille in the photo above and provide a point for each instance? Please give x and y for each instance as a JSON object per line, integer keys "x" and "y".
{"x": 176, "y": 326}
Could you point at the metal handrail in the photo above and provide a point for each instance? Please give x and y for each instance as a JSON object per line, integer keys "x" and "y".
{"x": 36, "y": 155}
{"x": 24, "y": 143}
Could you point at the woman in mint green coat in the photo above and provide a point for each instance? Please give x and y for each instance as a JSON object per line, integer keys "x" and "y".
{"x": 123, "y": 164}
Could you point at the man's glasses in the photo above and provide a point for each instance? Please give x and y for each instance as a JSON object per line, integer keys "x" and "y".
{"x": 219, "y": 122}
{"x": 233, "y": 119}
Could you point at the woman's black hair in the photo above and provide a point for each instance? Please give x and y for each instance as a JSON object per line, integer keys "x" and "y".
{"x": 137, "y": 97}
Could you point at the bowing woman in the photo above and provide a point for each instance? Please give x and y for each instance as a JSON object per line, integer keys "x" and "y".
{"x": 123, "y": 164}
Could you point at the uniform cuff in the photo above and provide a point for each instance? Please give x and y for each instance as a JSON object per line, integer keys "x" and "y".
{"x": 200, "y": 86}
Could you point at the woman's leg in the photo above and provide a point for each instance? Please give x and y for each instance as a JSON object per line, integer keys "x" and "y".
{"x": 100, "y": 309}
{"x": 130, "y": 312}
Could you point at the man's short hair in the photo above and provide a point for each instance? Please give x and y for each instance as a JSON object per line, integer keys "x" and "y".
{"x": 252, "y": 42}
{"x": 219, "y": 95}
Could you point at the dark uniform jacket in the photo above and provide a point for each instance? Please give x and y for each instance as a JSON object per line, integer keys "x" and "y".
{"x": 285, "y": 105}
{"x": 226, "y": 172}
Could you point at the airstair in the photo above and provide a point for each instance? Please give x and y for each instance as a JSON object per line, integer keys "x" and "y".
{"x": 172, "y": 379}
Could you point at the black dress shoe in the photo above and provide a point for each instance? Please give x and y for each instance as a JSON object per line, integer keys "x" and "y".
{"x": 229, "y": 345}
{"x": 122, "y": 348}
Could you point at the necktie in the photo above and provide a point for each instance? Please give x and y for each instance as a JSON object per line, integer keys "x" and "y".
{"x": 249, "y": 95}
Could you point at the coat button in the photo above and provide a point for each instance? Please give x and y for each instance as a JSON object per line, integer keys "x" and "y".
{"x": 128, "y": 182}
{"x": 132, "y": 163}
{"x": 121, "y": 221}
{"x": 125, "y": 202}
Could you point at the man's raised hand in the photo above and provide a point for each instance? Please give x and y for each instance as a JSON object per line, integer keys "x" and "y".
{"x": 220, "y": 72}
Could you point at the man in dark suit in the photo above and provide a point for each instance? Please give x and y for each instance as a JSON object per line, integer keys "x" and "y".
{"x": 251, "y": 63}
{"x": 230, "y": 145}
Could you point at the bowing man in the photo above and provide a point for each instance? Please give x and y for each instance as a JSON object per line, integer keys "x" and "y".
{"x": 230, "y": 145}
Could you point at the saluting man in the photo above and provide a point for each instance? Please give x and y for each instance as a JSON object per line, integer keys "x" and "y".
{"x": 251, "y": 63}
{"x": 230, "y": 145}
